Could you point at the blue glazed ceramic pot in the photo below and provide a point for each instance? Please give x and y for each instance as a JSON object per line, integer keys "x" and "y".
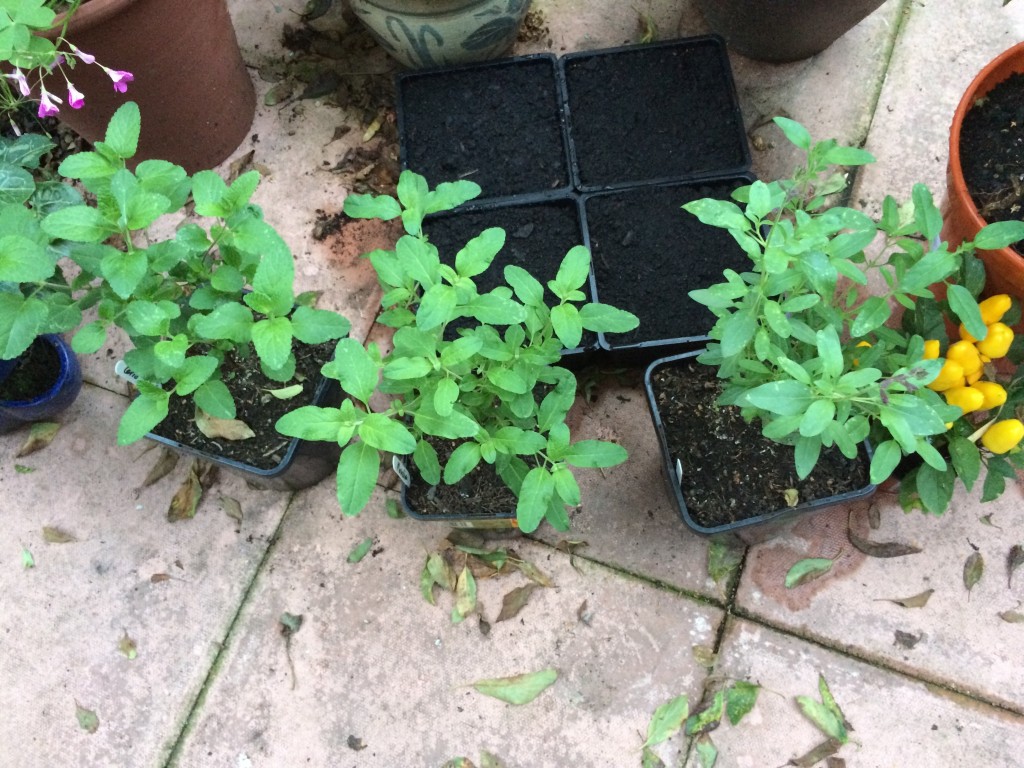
{"x": 64, "y": 390}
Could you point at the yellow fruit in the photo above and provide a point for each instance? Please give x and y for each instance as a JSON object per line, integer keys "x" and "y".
{"x": 931, "y": 349}
{"x": 973, "y": 378}
{"x": 1003, "y": 435}
{"x": 967, "y": 399}
{"x": 967, "y": 355}
{"x": 951, "y": 375}
{"x": 965, "y": 334}
{"x": 856, "y": 361}
{"x": 997, "y": 343}
{"x": 994, "y": 394}
{"x": 994, "y": 307}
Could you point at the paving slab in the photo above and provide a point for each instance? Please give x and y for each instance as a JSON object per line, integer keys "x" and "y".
{"x": 172, "y": 589}
{"x": 896, "y": 721}
{"x": 376, "y": 666}
{"x": 957, "y": 638}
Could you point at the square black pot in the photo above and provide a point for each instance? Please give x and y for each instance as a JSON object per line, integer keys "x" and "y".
{"x": 648, "y": 254}
{"x": 656, "y": 112}
{"x": 538, "y": 234}
{"x": 499, "y": 124}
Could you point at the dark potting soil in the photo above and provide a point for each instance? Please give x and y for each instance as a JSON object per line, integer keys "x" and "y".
{"x": 648, "y": 254}
{"x": 992, "y": 153}
{"x": 537, "y": 237}
{"x": 730, "y": 471}
{"x": 654, "y": 113}
{"x": 33, "y": 375}
{"x": 497, "y": 125}
{"x": 253, "y": 405}
{"x": 481, "y": 493}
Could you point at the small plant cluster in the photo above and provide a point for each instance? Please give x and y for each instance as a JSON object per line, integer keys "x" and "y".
{"x": 800, "y": 348}
{"x": 496, "y": 389}
{"x": 35, "y": 58}
{"x": 184, "y": 302}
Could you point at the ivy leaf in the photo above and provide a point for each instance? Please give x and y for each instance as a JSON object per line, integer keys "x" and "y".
{"x": 519, "y": 689}
{"x": 807, "y": 570}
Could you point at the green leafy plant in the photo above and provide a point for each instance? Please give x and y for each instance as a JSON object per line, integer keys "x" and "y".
{"x": 188, "y": 300}
{"x": 799, "y": 346}
{"x": 497, "y": 388}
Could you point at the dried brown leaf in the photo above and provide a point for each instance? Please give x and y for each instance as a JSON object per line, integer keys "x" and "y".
{"x": 240, "y": 165}
{"x": 1012, "y": 617}
{"x": 165, "y": 463}
{"x": 881, "y": 549}
{"x": 515, "y": 601}
{"x": 233, "y": 510}
{"x": 835, "y": 762}
{"x": 53, "y": 535}
{"x": 916, "y": 601}
{"x": 529, "y": 570}
{"x": 156, "y": 578}
{"x": 1014, "y": 560}
{"x": 816, "y": 755}
{"x": 40, "y": 436}
{"x": 906, "y": 639}
{"x": 186, "y": 498}
{"x": 974, "y": 567}
{"x": 229, "y": 429}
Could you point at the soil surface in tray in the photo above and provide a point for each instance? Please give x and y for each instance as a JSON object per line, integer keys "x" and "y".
{"x": 654, "y": 113}
{"x": 254, "y": 406}
{"x": 992, "y": 153}
{"x": 648, "y": 254}
{"x": 537, "y": 237}
{"x": 730, "y": 471}
{"x": 33, "y": 375}
{"x": 499, "y": 126}
{"x": 479, "y": 494}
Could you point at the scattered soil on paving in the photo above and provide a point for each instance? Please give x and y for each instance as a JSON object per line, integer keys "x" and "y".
{"x": 992, "y": 153}
{"x": 730, "y": 471}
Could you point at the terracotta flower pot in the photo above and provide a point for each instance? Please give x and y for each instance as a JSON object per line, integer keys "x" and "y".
{"x": 433, "y": 33}
{"x": 196, "y": 97}
{"x": 961, "y": 219}
{"x": 783, "y": 30}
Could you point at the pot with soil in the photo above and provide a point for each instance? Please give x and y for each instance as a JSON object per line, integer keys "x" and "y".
{"x": 648, "y": 254}
{"x": 434, "y": 33}
{"x": 725, "y": 477}
{"x": 188, "y": 77}
{"x": 38, "y": 384}
{"x": 783, "y": 30}
{"x": 497, "y": 124}
{"x": 985, "y": 176}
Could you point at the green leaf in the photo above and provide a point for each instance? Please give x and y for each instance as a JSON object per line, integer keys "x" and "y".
{"x": 122, "y": 134}
{"x": 228, "y": 321}
{"x": 145, "y": 412}
{"x": 817, "y": 417}
{"x": 565, "y": 319}
{"x": 607, "y": 319}
{"x": 360, "y": 550}
{"x": 194, "y": 373}
{"x": 272, "y": 339}
{"x": 966, "y": 308}
{"x": 966, "y": 460}
{"x": 566, "y": 487}
{"x": 20, "y": 321}
{"x": 16, "y": 184}
{"x": 573, "y": 272}
{"x": 355, "y": 368}
{"x": 89, "y": 338}
{"x": 381, "y": 207}
{"x": 437, "y": 306}
{"x": 479, "y": 252}
{"x": 465, "y": 596}
{"x": 1000, "y": 234}
{"x": 527, "y": 288}
{"x": 806, "y": 454}
{"x": 707, "y": 753}
{"x": 313, "y": 422}
{"x": 214, "y": 398}
{"x": 708, "y": 718}
{"x": 519, "y": 689}
{"x": 823, "y": 718}
{"x": 737, "y": 331}
{"x": 445, "y": 395}
{"x": 358, "y": 469}
{"x": 80, "y": 224}
{"x": 807, "y": 570}
{"x": 935, "y": 487}
{"x": 667, "y": 720}
{"x": 873, "y": 313}
{"x": 885, "y": 460}
{"x": 386, "y": 434}
{"x": 315, "y": 326}
{"x": 426, "y": 461}
{"x": 795, "y": 133}
{"x": 534, "y": 498}
{"x": 719, "y": 213}
{"x": 740, "y": 699}
{"x": 462, "y": 461}
{"x": 123, "y": 270}
{"x": 594, "y": 453}
{"x": 783, "y": 398}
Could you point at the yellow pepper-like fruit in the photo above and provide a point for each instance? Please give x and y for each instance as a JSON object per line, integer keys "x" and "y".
{"x": 931, "y": 349}
{"x": 974, "y": 377}
{"x": 1003, "y": 435}
{"x": 993, "y": 393}
{"x": 951, "y": 375}
{"x": 965, "y": 335}
{"x": 994, "y": 307}
{"x": 997, "y": 343}
{"x": 967, "y": 355}
{"x": 856, "y": 360}
{"x": 967, "y": 399}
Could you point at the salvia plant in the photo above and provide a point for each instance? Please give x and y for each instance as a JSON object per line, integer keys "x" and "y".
{"x": 184, "y": 302}
{"x": 802, "y": 346}
{"x": 496, "y": 388}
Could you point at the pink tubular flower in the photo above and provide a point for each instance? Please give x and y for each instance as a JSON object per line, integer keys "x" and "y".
{"x": 120, "y": 78}
{"x": 75, "y": 97}
{"x": 88, "y": 58}
{"x": 21, "y": 80}
{"x": 47, "y": 105}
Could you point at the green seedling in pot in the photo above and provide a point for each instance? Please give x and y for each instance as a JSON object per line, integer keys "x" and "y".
{"x": 497, "y": 389}
{"x": 801, "y": 347}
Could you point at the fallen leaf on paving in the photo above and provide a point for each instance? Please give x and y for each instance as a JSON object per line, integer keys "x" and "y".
{"x": 529, "y": 570}
{"x": 583, "y": 615}
{"x": 462, "y": 537}
{"x": 186, "y": 498}
{"x": 706, "y": 719}
{"x": 880, "y": 549}
{"x": 1012, "y": 617}
{"x": 240, "y": 165}
{"x": 441, "y": 571}
{"x": 519, "y": 689}
{"x": 127, "y": 646}
{"x": 667, "y": 720}
{"x": 53, "y": 535}
{"x": 354, "y": 742}
{"x": 359, "y": 550}
{"x": 1014, "y": 559}
{"x": 27, "y": 561}
{"x": 906, "y": 639}
{"x": 987, "y": 520}
{"x": 166, "y": 461}
{"x": 704, "y": 655}
{"x": 394, "y": 511}
{"x": 487, "y": 760}
{"x": 278, "y": 93}
{"x": 229, "y": 429}
{"x": 835, "y": 762}
{"x": 917, "y": 601}
{"x": 515, "y": 601}
{"x": 233, "y": 510}
{"x": 40, "y": 436}
{"x": 648, "y": 759}
{"x": 459, "y": 762}
{"x": 484, "y": 625}
{"x": 87, "y": 719}
{"x": 974, "y": 567}
{"x": 807, "y": 570}
{"x": 372, "y": 128}
{"x": 156, "y": 578}
{"x": 706, "y": 751}
{"x": 825, "y": 714}
{"x": 465, "y": 596}
{"x": 723, "y": 560}
{"x": 290, "y": 623}
{"x": 740, "y": 699}
{"x": 21, "y": 469}
{"x": 570, "y": 548}
{"x": 816, "y": 755}
{"x": 427, "y": 583}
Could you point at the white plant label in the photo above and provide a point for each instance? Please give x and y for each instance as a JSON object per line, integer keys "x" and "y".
{"x": 126, "y": 373}
{"x": 401, "y": 470}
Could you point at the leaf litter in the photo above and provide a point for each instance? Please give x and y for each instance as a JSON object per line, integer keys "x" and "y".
{"x": 40, "y": 435}
{"x": 806, "y": 570}
{"x": 518, "y": 689}
{"x": 289, "y": 624}
{"x": 919, "y": 600}
{"x": 55, "y": 535}
{"x": 1014, "y": 560}
{"x": 974, "y": 568}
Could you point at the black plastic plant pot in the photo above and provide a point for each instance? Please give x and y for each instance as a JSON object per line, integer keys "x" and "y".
{"x": 303, "y": 463}
{"x": 498, "y": 123}
{"x": 496, "y": 521}
{"x": 53, "y": 353}
{"x": 538, "y": 234}
{"x": 716, "y": 496}
{"x": 648, "y": 254}
{"x": 656, "y": 112}
{"x": 472, "y": 503}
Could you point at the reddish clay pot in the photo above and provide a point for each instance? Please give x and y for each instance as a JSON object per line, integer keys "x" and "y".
{"x": 196, "y": 97}
{"x": 961, "y": 220}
